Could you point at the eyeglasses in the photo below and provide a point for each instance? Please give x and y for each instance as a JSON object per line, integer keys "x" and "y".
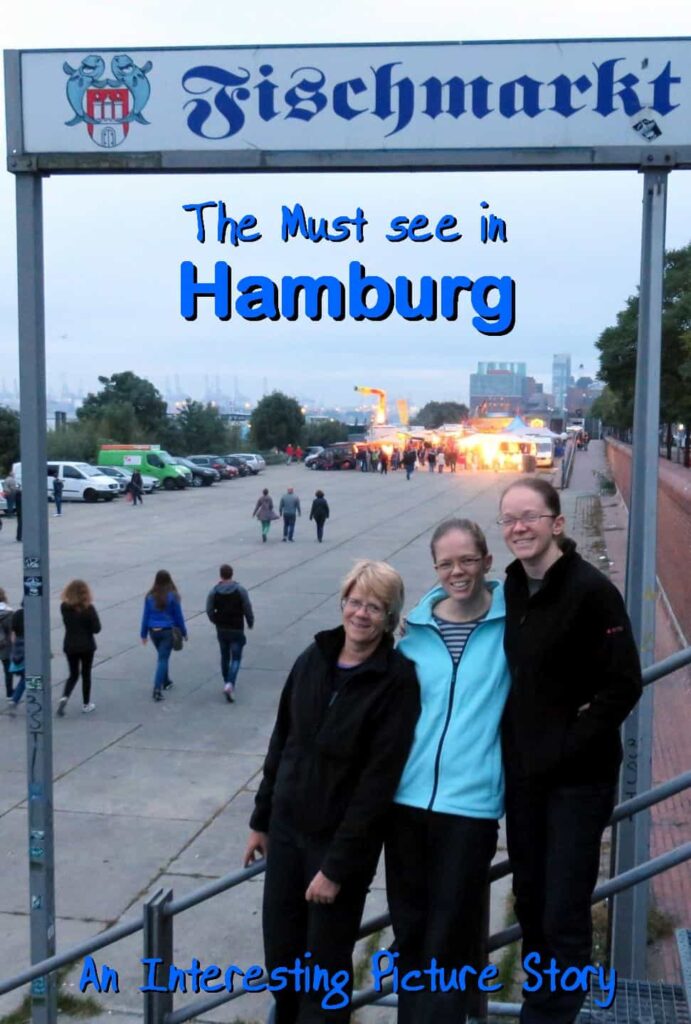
{"x": 466, "y": 562}
{"x": 374, "y": 611}
{"x": 525, "y": 518}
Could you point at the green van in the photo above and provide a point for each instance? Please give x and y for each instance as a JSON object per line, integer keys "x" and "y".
{"x": 147, "y": 458}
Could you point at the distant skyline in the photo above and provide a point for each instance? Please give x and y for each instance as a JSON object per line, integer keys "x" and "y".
{"x": 114, "y": 244}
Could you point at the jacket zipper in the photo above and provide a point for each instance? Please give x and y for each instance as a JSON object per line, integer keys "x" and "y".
{"x": 452, "y": 690}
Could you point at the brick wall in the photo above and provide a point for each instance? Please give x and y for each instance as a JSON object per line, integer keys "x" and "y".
{"x": 673, "y": 526}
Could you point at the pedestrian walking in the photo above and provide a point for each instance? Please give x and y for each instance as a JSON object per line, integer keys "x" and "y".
{"x": 264, "y": 511}
{"x": 58, "y": 487}
{"x": 319, "y": 513}
{"x": 10, "y": 488}
{"x": 431, "y": 460}
{"x": 136, "y": 488}
{"x": 375, "y": 460}
{"x": 162, "y": 615}
{"x": 409, "y": 462}
{"x": 81, "y": 625}
{"x": 17, "y": 667}
{"x": 290, "y": 452}
{"x": 18, "y": 511}
{"x": 441, "y": 461}
{"x": 345, "y": 723}
{"x": 6, "y": 613}
{"x": 575, "y": 677}
{"x": 228, "y": 607}
{"x": 289, "y": 508}
{"x": 383, "y": 463}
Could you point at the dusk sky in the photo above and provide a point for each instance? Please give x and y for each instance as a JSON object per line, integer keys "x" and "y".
{"x": 114, "y": 245}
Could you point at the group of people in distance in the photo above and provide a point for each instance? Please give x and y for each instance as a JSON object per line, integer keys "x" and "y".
{"x": 497, "y": 697}
{"x": 289, "y": 509}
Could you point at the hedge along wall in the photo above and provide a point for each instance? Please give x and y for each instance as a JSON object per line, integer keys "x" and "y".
{"x": 673, "y": 526}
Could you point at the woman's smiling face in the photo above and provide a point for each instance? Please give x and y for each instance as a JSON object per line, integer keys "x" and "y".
{"x": 461, "y": 568}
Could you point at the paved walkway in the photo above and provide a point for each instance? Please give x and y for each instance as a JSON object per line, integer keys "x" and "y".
{"x": 153, "y": 795}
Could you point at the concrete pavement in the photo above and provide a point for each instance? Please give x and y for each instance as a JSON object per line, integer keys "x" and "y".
{"x": 151, "y": 795}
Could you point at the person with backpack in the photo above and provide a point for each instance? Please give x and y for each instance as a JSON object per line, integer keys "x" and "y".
{"x": 228, "y": 607}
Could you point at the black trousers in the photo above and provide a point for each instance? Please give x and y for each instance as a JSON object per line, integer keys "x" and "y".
{"x": 436, "y": 880}
{"x": 554, "y": 835}
{"x": 79, "y": 662}
{"x": 294, "y": 927}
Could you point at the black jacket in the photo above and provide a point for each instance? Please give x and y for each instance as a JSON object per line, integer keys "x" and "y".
{"x": 568, "y": 645}
{"x": 80, "y": 626}
{"x": 320, "y": 510}
{"x": 228, "y": 606}
{"x": 334, "y": 762}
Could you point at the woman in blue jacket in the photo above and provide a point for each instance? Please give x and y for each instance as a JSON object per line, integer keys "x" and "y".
{"x": 162, "y": 613}
{"x": 443, "y": 828}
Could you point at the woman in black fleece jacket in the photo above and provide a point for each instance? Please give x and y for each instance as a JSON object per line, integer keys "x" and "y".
{"x": 344, "y": 728}
{"x": 575, "y": 676}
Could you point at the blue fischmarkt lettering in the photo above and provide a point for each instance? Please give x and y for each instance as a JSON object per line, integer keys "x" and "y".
{"x": 224, "y": 99}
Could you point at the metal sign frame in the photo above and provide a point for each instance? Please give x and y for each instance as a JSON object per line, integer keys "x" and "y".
{"x": 655, "y": 161}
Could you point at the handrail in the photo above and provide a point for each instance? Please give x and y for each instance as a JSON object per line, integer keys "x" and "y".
{"x": 130, "y": 927}
{"x": 627, "y": 880}
{"x": 567, "y": 463}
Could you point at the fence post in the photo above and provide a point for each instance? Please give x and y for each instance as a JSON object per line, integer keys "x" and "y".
{"x": 477, "y": 1000}
{"x": 158, "y": 956}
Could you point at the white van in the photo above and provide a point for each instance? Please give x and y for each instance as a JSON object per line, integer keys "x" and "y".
{"x": 81, "y": 481}
{"x": 545, "y": 452}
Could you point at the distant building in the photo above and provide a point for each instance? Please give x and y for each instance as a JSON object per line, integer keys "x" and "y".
{"x": 561, "y": 378}
{"x": 498, "y": 389}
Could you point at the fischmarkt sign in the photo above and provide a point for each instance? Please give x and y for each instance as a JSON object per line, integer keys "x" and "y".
{"x": 618, "y": 103}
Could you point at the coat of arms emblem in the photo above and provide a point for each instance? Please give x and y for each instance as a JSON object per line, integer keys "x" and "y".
{"x": 107, "y": 106}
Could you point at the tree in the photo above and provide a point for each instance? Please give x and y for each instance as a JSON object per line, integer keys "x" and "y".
{"x": 128, "y": 390}
{"x": 324, "y": 432}
{"x": 617, "y": 346}
{"x": 276, "y": 421}
{"x": 9, "y": 438}
{"x": 434, "y": 414}
{"x": 201, "y": 428}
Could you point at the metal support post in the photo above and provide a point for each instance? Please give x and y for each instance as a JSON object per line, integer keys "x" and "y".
{"x": 158, "y": 946}
{"x": 632, "y": 842}
{"x": 478, "y": 1001}
{"x": 32, "y": 380}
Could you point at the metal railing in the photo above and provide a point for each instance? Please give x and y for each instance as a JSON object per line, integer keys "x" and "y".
{"x": 567, "y": 463}
{"x": 158, "y": 912}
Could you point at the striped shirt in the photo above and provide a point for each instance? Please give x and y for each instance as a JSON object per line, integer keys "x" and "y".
{"x": 456, "y": 635}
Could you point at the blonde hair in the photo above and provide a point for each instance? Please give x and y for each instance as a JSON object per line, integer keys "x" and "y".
{"x": 77, "y": 594}
{"x": 383, "y": 582}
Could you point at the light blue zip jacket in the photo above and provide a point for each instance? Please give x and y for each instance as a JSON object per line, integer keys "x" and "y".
{"x": 455, "y": 766}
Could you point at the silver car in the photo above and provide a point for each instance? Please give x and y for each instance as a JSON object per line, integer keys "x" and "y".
{"x": 123, "y": 477}
{"x": 255, "y": 462}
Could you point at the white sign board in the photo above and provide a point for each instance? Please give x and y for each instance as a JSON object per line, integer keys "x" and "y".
{"x": 621, "y": 99}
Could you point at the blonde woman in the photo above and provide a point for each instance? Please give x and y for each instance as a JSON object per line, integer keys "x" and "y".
{"x": 345, "y": 724}
{"x": 81, "y": 624}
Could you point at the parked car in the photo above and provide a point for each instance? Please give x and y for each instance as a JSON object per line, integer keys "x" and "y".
{"x": 241, "y": 466}
{"x": 216, "y": 462}
{"x": 341, "y": 455}
{"x": 123, "y": 477}
{"x": 311, "y": 455}
{"x": 81, "y": 481}
{"x": 202, "y": 476}
{"x": 255, "y": 462}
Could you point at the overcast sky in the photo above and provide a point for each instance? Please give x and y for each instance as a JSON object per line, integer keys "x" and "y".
{"x": 113, "y": 245}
